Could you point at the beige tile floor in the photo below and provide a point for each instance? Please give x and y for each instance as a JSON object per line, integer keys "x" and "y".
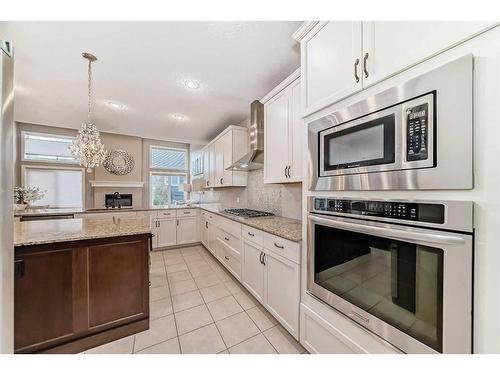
{"x": 198, "y": 307}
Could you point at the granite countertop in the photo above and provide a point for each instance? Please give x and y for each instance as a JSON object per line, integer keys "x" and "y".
{"x": 290, "y": 229}
{"x": 79, "y": 210}
{"x": 50, "y": 231}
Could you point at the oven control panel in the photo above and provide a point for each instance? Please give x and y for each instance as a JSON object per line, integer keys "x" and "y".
{"x": 417, "y": 132}
{"x": 424, "y": 212}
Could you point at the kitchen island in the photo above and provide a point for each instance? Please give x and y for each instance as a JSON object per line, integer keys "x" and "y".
{"x": 80, "y": 283}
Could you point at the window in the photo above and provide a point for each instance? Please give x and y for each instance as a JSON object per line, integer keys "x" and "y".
{"x": 168, "y": 158}
{"x": 43, "y": 147}
{"x": 168, "y": 170}
{"x": 165, "y": 188}
{"x": 64, "y": 186}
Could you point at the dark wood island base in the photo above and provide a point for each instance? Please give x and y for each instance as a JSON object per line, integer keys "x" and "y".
{"x": 75, "y": 295}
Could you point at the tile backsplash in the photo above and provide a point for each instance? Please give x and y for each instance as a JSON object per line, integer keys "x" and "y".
{"x": 280, "y": 199}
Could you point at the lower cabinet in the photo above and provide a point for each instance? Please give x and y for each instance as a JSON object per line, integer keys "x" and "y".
{"x": 96, "y": 291}
{"x": 171, "y": 228}
{"x": 274, "y": 281}
{"x": 187, "y": 230}
{"x": 253, "y": 270}
{"x": 282, "y": 290}
{"x": 165, "y": 232}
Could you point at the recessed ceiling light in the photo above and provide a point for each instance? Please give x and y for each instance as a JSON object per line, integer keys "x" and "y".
{"x": 178, "y": 116}
{"x": 191, "y": 84}
{"x": 117, "y": 106}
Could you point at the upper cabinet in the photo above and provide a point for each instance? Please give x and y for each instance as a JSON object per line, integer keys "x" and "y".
{"x": 283, "y": 132}
{"x": 330, "y": 60}
{"x": 218, "y": 155}
{"x": 342, "y": 58}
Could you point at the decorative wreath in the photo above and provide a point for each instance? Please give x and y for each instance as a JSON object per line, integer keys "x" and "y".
{"x": 119, "y": 162}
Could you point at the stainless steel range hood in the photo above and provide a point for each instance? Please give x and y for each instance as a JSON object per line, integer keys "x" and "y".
{"x": 254, "y": 159}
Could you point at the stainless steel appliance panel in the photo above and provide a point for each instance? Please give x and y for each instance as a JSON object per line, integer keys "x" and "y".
{"x": 450, "y": 142}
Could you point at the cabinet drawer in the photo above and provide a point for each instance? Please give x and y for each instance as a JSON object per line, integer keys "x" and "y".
{"x": 230, "y": 240}
{"x": 287, "y": 249}
{"x": 253, "y": 235}
{"x": 229, "y": 258}
{"x": 230, "y": 226}
{"x": 210, "y": 216}
{"x": 185, "y": 212}
{"x": 166, "y": 213}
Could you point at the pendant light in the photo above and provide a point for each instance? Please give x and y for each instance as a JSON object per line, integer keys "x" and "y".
{"x": 87, "y": 148}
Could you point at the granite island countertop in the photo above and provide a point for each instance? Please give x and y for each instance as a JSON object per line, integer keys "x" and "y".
{"x": 51, "y": 231}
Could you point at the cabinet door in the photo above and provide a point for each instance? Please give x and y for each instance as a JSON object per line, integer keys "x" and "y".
{"x": 204, "y": 233}
{"x": 329, "y": 54}
{"x": 117, "y": 272}
{"x": 394, "y": 46}
{"x": 187, "y": 230}
{"x": 227, "y": 144}
{"x": 45, "y": 290}
{"x": 282, "y": 291}
{"x": 212, "y": 237}
{"x": 206, "y": 167}
{"x": 295, "y": 134}
{"x": 211, "y": 151}
{"x": 219, "y": 162}
{"x": 154, "y": 231}
{"x": 253, "y": 270}
{"x": 167, "y": 232}
{"x": 276, "y": 119}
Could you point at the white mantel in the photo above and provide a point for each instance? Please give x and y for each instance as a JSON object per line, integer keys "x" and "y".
{"x": 124, "y": 184}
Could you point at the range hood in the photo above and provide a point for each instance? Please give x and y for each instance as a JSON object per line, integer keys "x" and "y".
{"x": 254, "y": 159}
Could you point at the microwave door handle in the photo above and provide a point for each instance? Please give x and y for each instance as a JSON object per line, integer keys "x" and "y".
{"x": 386, "y": 231}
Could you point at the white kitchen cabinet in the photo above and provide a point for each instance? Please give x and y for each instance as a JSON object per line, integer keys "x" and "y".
{"x": 221, "y": 153}
{"x": 340, "y": 58}
{"x": 187, "y": 230}
{"x": 389, "y": 47}
{"x": 330, "y": 63}
{"x": 283, "y": 134}
{"x": 253, "y": 270}
{"x": 282, "y": 290}
{"x": 166, "y": 232}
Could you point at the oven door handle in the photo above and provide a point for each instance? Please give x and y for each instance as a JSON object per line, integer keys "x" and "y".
{"x": 385, "y": 231}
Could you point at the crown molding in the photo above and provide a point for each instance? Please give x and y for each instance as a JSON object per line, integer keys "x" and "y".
{"x": 303, "y": 30}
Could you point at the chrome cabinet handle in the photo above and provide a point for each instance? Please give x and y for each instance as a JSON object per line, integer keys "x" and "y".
{"x": 226, "y": 257}
{"x": 264, "y": 259}
{"x": 251, "y": 234}
{"x": 364, "y": 65}
{"x": 279, "y": 246}
{"x": 186, "y": 212}
{"x": 289, "y": 175}
{"x": 356, "y": 64}
{"x": 260, "y": 257}
{"x": 221, "y": 181}
{"x": 206, "y": 224}
{"x": 177, "y": 222}
{"x": 227, "y": 239}
{"x": 285, "y": 171}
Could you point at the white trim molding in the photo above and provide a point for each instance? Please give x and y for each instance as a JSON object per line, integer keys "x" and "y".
{"x": 303, "y": 30}
{"x": 281, "y": 86}
{"x": 124, "y": 184}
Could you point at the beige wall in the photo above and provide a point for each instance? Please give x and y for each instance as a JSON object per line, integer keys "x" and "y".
{"x": 94, "y": 197}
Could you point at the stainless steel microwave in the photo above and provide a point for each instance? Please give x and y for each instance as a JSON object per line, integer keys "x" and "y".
{"x": 417, "y": 135}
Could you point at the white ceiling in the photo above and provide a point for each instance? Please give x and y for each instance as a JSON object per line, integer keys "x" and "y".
{"x": 144, "y": 66}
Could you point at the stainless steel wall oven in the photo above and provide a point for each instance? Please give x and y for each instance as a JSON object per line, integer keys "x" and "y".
{"x": 402, "y": 269}
{"x": 417, "y": 135}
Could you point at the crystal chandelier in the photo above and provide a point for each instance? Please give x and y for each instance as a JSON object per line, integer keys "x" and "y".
{"x": 87, "y": 148}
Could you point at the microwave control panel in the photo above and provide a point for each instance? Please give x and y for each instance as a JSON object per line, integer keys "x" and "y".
{"x": 424, "y": 212}
{"x": 417, "y": 132}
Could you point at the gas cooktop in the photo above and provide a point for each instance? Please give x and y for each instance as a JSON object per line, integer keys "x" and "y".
{"x": 246, "y": 212}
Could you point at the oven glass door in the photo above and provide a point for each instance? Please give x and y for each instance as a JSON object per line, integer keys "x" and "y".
{"x": 364, "y": 143}
{"x": 399, "y": 282}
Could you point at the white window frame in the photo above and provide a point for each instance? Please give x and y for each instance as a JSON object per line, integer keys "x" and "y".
{"x": 24, "y": 169}
{"x": 186, "y": 163}
{"x": 25, "y": 132}
{"x": 163, "y": 172}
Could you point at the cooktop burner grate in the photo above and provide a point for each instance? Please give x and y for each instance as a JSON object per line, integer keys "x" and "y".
{"x": 245, "y": 212}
